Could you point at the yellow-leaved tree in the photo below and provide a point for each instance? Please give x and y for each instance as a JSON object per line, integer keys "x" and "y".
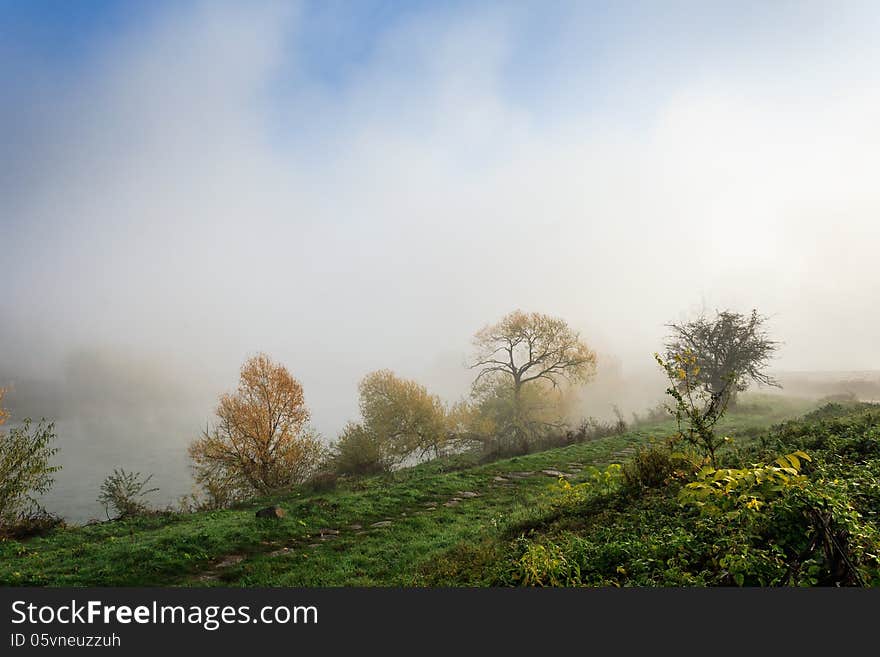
{"x": 400, "y": 419}
{"x": 262, "y": 441}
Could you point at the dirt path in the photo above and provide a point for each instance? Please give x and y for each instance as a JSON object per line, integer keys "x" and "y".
{"x": 316, "y": 540}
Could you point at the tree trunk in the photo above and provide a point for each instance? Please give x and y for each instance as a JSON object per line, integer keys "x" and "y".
{"x": 520, "y": 433}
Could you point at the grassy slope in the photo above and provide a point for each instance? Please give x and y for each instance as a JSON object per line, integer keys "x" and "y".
{"x": 232, "y": 547}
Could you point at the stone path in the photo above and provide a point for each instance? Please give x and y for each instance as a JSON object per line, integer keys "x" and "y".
{"x": 325, "y": 534}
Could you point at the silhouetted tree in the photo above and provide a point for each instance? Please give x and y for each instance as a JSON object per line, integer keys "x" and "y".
{"x": 731, "y": 350}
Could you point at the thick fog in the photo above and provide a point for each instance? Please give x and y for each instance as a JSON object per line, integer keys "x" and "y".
{"x": 187, "y": 185}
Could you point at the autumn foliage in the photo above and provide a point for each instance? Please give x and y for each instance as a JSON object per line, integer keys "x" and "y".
{"x": 524, "y": 363}
{"x": 400, "y": 419}
{"x": 261, "y": 442}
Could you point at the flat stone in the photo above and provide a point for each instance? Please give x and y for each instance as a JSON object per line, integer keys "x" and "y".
{"x": 452, "y": 502}
{"x": 430, "y": 505}
{"x": 521, "y": 475}
{"x": 555, "y": 473}
{"x": 230, "y": 560}
{"x": 468, "y": 494}
{"x": 329, "y": 532}
{"x": 355, "y": 527}
{"x": 500, "y": 479}
{"x": 381, "y": 523}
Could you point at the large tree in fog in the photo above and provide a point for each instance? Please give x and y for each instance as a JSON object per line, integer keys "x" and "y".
{"x": 731, "y": 350}
{"x": 261, "y": 441}
{"x": 526, "y": 351}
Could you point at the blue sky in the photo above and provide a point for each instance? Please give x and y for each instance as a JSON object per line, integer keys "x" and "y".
{"x": 333, "y": 40}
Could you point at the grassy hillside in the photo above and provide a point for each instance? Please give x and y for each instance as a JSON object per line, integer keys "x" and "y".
{"x": 454, "y": 522}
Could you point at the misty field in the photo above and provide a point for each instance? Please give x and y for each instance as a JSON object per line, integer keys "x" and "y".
{"x": 555, "y": 517}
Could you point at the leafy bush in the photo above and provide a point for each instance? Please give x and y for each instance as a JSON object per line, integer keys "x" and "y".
{"x": 123, "y": 492}
{"x": 321, "y": 482}
{"x": 731, "y": 489}
{"x": 25, "y": 472}
{"x": 545, "y": 564}
{"x": 654, "y": 466}
{"x": 359, "y": 452}
{"x": 810, "y": 517}
{"x": 598, "y": 482}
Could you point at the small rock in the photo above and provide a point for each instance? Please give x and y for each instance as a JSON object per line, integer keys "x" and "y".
{"x": 381, "y": 523}
{"x": 520, "y": 475}
{"x": 329, "y": 532}
{"x": 500, "y": 479}
{"x": 452, "y": 502}
{"x": 555, "y": 473}
{"x": 403, "y": 514}
{"x": 274, "y": 512}
{"x": 430, "y": 505}
{"x": 355, "y": 527}
{"x": 468, "y": 494}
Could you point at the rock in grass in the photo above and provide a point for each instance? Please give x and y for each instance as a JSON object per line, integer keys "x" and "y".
{"x": 555, "y": 473}
{"x": 381, "y": 523}
{"x": 272, "y": 512}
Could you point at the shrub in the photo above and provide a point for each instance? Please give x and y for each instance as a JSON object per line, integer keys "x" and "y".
{"x": 653, "y": 467}
{"x": 123, "y": 492}
{"x": 734, "y": 489}
{"x": 545, "y": 564}
{"x": 322, "y": 482}
{"x": 655, "y": 414}
{"x": 34, "y": 522}
{"x": 359, "y": 451}
{"x": 25, "y": 472}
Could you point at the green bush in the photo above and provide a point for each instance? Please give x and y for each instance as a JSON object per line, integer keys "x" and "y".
{"x": 25, "y": 472}
{"x": 321, "y": 482}
{"x": 359, "y": 452}
{"x": 652, "y": 467}
{"x": 123, "y": 492}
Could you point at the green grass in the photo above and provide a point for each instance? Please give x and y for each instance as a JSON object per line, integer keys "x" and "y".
{"x": 233, "y": 548}
{"x": 823, "y": 528}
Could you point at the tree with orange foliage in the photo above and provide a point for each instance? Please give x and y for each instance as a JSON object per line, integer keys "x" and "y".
{"x": 262, "y": 442}
{"x": 3, "y": 412}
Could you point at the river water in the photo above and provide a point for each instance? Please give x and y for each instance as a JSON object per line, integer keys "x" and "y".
{"x": 89, "y": 451}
